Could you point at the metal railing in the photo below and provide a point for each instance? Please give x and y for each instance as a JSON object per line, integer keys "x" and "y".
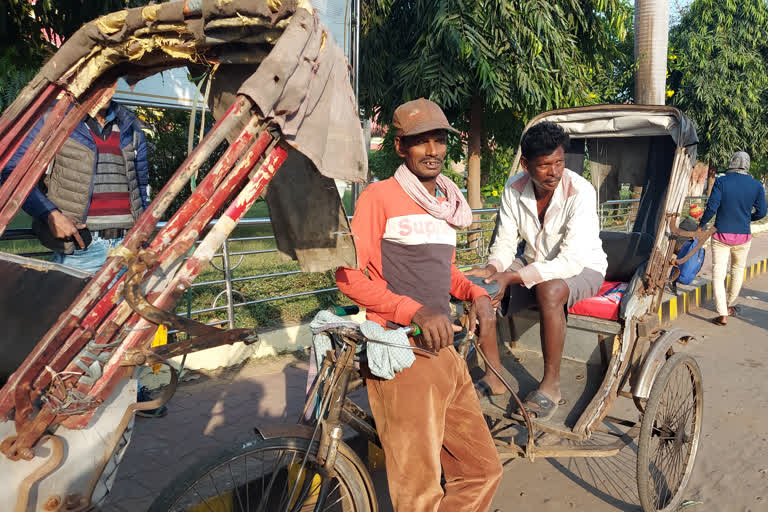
{"x": 620, "y": 214}
{"x": 233, "y": 267}
{"x": 472, "y": 244}
{"x": 247, "y": 258}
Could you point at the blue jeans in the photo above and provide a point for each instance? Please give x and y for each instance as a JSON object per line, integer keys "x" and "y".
{"x": 90, "y": 259}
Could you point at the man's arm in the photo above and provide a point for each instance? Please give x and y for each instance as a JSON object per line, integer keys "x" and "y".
{"x": 582, "y": 223}
{"x": 368, "y": 226}
{"x": 36, "y": 204}
{"x": 713, "y": 204}
{"x": 142, "y": 166}
{"x": 504, "y": 247}
{"x": 761, "y": 208}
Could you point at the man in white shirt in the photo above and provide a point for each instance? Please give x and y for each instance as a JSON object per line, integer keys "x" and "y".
{"x": 554, "y": 210}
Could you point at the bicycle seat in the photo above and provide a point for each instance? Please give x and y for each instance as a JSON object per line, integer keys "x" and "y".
{"x": 492, "y": 288}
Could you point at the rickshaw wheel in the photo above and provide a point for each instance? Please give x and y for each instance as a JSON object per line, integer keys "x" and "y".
{"x": 669, "y": 434}
{"x": 269, "y": 475}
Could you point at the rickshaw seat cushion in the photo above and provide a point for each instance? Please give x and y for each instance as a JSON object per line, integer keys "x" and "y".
{"x": 603, "y": 305}
{"x": 625, "y": 252}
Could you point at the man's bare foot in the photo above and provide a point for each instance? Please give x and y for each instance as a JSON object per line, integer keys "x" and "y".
{"x": 720, "y": 320}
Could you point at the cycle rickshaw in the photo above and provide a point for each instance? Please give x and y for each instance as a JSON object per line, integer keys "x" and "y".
{"x": 619, "y": 352}
{"x": 67, "y": 405}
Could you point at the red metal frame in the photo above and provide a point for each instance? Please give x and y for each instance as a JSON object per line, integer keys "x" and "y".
{"x": 97, "y": 315}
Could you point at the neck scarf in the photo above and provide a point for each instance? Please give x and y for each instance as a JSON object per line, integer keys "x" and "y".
{"x": 454, "y": 210}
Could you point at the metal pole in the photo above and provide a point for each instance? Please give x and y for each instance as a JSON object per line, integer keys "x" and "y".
{"x": 228, "y": 279}
{"x": 356, "y": 189}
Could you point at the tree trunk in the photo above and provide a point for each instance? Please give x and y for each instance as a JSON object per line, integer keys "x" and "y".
{"x": 711, "y": 177}
{"x": 475, "y": 149}
{"x": 473, "y": 164}
{"x": 651, "y": 40}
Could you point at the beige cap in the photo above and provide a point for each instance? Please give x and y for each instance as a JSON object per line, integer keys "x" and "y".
{"x": 419, "y": 116}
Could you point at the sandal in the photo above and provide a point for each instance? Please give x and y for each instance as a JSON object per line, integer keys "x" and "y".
{"x": 485, "y": 394}
{"x": 483, "y": 390}
{"x": 718, "y": 320}
{"x": 543, "y": 408}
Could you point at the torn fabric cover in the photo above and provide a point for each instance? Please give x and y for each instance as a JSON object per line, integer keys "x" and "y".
{"x": 273, "y": 10}
{"x": 303, "y": 87}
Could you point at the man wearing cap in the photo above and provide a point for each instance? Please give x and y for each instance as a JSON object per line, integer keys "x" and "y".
{"x": 428, "y": 416}
{"x": 736, "y": 200}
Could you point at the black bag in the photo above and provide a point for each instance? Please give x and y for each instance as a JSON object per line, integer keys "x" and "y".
{"x": 66, "y": 245}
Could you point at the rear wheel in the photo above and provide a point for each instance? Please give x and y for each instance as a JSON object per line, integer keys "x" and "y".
{"x": 272, "y": 475}
{"x": 669, "y": 434}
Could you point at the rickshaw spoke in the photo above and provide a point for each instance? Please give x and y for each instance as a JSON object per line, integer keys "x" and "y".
{"x": 203, "y": 500}
{"x": 213, "y": 481}
{"x": 234, "y": 486}
{"x": 284, "y": 494}
{"x": 341, "y": 497}
{"x": 265, "y": 494}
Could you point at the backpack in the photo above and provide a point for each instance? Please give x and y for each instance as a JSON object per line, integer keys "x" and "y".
{"x": 690, "y": 268}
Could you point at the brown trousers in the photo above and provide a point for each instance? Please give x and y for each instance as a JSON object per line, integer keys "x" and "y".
{"x": 428, "y": 416}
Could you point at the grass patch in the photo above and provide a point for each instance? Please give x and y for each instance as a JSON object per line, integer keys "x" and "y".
{"x": 263, "y": 315}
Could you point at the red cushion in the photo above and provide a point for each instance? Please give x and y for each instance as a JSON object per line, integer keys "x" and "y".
{"x": 603, "y": 305}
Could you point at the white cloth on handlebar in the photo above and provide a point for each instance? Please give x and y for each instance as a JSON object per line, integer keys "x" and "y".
{"x": 384, "y": 361}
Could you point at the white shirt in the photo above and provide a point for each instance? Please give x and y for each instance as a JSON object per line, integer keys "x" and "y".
{"x": 566, "y": 243}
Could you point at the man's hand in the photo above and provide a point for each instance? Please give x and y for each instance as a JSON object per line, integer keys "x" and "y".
{"x": 478, "y": 271}
{"x": 482, "y": 310}
{"x": 64, "y": 227}
{"x": 504, "y": 280}
{"x": 436, "y": 328}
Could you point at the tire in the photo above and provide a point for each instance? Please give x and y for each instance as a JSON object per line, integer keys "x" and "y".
{"x": 666, "y": 452}
{"x": 350, "y": 487}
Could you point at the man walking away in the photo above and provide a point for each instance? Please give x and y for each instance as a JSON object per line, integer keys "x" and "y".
{"x": 736, "y": 200}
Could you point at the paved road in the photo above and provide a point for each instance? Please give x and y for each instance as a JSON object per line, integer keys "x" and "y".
{"x": 731, "y": 473}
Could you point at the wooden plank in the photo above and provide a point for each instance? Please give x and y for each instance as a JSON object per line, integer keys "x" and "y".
{"x": 598, "y": 325}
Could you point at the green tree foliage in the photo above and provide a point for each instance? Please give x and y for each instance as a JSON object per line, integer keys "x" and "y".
{"x": 719, "y": 75}
{"x": 23, "y": 46}
{"x": 509, "y": 60}
{"x": 23, "y": 23}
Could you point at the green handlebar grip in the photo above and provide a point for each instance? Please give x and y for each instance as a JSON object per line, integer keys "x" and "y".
{"x": 415, "y": 330}
{"x": 344, "y": 310}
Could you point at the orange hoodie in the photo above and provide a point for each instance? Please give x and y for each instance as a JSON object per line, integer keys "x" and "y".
{"x": 409, "y": 256}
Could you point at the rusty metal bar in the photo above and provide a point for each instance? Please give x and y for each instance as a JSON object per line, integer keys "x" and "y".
{"x": 13, "y": 137}
{"x": 194, "y": 265}
{"x": 69, "y": 320}
{"x": 201, "y": 196}
{"x": 143, "y": 356}
{"x": 139, "y": 335}
{"x": 34, "y": 163}
{"x": 48, "y": 131}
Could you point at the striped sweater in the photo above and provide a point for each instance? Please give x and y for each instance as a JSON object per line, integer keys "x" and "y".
{"x": 408, "y": 256}
{"x": 110, "y": 205}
